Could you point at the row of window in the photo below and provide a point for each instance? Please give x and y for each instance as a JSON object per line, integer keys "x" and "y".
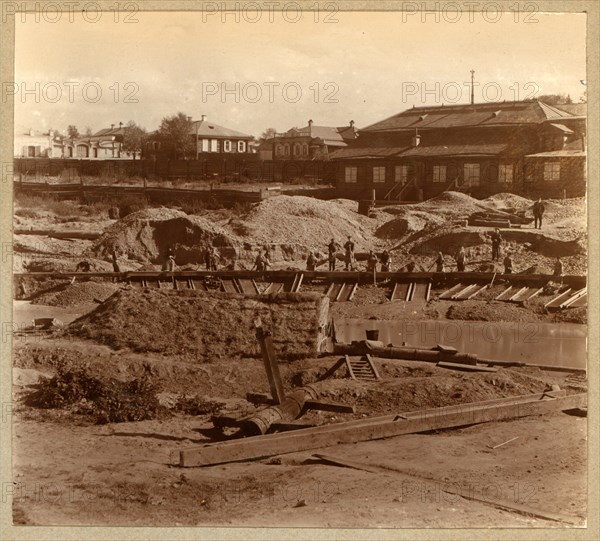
{"x": 298, "y": 149}
{"x": 214, "y": 145}
{"x": 472, "y": 173}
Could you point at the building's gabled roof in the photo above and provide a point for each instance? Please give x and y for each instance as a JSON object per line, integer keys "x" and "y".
{"x": 455, "y": 150}
{"x": 204, "y": 128}
{"x": 366, "y": 152}
{"x": 456, "y": 116}
{"x": 110, "y": 132}
{"x": 558, "y": 154}
{"x": 331, "y": 136}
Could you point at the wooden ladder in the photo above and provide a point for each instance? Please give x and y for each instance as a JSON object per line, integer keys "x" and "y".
{"x": 362, "y": 368}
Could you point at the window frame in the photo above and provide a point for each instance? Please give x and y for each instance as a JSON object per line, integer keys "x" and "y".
{"x": 353, "y": 177}
{"x": 379, "y": 178}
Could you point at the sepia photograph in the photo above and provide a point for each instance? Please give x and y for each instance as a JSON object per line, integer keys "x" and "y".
{"x": 284, "y": 265}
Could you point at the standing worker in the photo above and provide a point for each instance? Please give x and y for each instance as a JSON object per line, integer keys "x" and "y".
{"x": 311, "y": 262}
{"x": 332, "y": 249}
{"x": 371, "y": 261}
{"x": 508, "y": 268}
{"x": 262, "y": 262}
{"x": 496, "y": 244}
{"x": 538, "y": 212}
{"x": 558, "y": 268}
{"x": 170, "y": 266}
{"x": 349, "y": 254}
{"x": 439, "y": 262}
{"x": 115, "y": 261}
{"x": 386, "y": 262}
{"x": 461, "y": 260}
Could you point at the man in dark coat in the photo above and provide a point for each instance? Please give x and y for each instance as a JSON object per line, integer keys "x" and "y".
{"x": 538, "y": 212}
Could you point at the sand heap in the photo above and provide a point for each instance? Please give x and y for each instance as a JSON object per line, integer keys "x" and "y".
{"x": 297, "y": 224}
{"x": 77, "y": 293}
{"x": 146, "y": 235}
{"x": 206, "y": 326}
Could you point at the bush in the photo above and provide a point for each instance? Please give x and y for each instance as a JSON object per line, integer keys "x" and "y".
{"x": 194, "y": 405}
{"x": 105, "y": 401}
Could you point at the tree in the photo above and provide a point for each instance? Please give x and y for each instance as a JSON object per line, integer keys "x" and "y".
{"x": 269, "y": 133}
{"x": 555, "y": 99}
{"x": 175, "y": 132}
{"x": 133, "y": 138}
{"x": 88, "y": 131}
{"x": 72, "y": 132}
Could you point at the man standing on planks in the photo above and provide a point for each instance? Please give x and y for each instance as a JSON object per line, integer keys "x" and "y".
{"x": 349, "y": 255}
{"x": 332, "y": 250}
{"x": 538, "y": 212}
{"x": 508, "y": 268}
{"x": 496, "y": 244}
{"x": 461, "y": 260}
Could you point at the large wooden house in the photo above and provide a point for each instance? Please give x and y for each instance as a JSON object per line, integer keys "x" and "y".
{"x": 524, "y": 147}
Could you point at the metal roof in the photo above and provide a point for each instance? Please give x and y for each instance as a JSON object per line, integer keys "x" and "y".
{"x": 205, "y": 128}
{"x": 486, "y": 114}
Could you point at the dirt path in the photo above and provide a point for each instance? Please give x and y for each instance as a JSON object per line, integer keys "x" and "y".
{"x": 122, "y": 475}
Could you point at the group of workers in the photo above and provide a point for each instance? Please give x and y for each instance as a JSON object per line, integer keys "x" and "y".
{"x": 349, "y": 258}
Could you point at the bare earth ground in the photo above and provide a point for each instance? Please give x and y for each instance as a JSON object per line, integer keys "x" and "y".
{"x": 69, "y": 470}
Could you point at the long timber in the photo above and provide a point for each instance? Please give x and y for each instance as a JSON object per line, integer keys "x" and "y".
{"x": 256, "y": 447}
{"x": 575, "y": 282}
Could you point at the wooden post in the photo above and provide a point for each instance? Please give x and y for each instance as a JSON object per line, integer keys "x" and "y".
{"x": 271, "y": 366}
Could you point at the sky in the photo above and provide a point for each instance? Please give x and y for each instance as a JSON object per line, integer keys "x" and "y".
{"x": 282, "y": 69}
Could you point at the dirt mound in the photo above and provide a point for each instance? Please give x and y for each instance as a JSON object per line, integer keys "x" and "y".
{"x": 304, "y": 222}
{"x": 205, "y": 326}
{"x": 457, "y": 203}
{"x": 407, "y": 224}
{"x": 545, "y": 244}
{"x": 77, "y": 293}
{"x": 449, "y": 241}
{"x": 146, "y": 235}
{"x": 506, "y": 201}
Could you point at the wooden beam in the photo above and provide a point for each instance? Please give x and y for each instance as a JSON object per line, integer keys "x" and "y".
{"x": 447, "y": 487}
{"x": 256, "y": 447}
{"x": 466, "y": 367}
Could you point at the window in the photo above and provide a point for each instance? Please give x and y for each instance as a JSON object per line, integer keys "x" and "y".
{"x": 297, "y": 149}
{"x": 439, "y": 173}
{"x": 278, "y": 150}
{"x": 205, "y": 145}
{"x": 379, "y": 174}
{"x": 471, "y": 174}
{"x": 305, "y": 149}
{"x": 241, "y": 146}
{"x": 551, "y": 171}
{"x": 505, "y": 173}
{"x": 214, "y": 145}
{"x": 286, "y": 149}
{"x": 226, "y": 146}
{"x": 351, "y": 174}
{"x": 401, "y": 174}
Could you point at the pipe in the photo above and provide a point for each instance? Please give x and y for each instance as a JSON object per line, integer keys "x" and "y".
{"x": 290, "y": 408}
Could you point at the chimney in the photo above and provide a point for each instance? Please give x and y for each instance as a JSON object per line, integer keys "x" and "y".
{"x": 352, "y": 123}
{"x": 189, "y": 118}
{"x": 31, "y": 132}
{"x": 310, "y": 123}
{"x": 203, "y": 118}
{"x": 120, "y": 125}
{"x": 416, "y": 140}
{"x": 112, "y": 126}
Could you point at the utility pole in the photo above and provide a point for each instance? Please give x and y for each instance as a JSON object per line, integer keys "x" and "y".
{"x": 472, "y": 87}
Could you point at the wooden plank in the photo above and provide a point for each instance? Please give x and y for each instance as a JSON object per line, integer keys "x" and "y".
{"x": 581, "y": 301}
{"x": 477, "y": 291}
{"x": 559, "y": 299}
{"x": 256, "y": 447}
{"x": 466, "y": 367}
{"x": 372, "y": 366}
{"x": 349, "y": 365}
{"x": 354, "y": 288}
{"x": 409, "y": 292}
{"x": 419, "y": 291}
{"x": 462, "y": 294}
{"x": 448, "y": 293}
{"x": 505, "y": 294}
{"x": 576, "y": 296}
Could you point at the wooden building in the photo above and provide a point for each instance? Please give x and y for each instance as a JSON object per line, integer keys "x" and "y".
{"x": 480, "y": 149}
